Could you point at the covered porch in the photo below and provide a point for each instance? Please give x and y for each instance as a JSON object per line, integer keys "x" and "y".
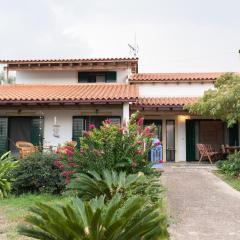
{"x": 179, "y": 132}
{"x": 58, "y": 113}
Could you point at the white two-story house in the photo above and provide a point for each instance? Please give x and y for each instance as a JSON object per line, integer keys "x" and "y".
{"x": 53, "y": 101}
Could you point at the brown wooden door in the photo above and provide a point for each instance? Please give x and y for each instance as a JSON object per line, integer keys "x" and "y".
{"x": 211, "y": 132}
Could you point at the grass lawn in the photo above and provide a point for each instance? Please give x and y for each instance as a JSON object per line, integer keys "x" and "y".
{"x": 232, "y": 181}
{"x": 14, "y": 209}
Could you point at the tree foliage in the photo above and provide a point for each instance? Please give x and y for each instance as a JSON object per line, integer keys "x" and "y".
{"x": 10, "y": 80}
{"x": 222, "y": 102}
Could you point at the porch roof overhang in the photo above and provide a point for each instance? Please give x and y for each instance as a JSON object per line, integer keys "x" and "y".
{"x": 83, "y": 64}
{"x": 163, "y": 103}
{"x": 67, "y": 94}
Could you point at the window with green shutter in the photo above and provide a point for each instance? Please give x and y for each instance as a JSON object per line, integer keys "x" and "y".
{"x": 37, "y": 131}
{"x": 78, "y": 128}
{"x": 3, "y": 134}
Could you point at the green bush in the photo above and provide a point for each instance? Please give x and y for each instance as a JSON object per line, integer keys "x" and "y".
{"x": 231, "y": 166}
{"x": 7, "y": 163}
{"x": 108, "y": 183}
{"x": 116, "y": 220}
{"x": 111, "y": 147}
{"x": 36, "y": 174}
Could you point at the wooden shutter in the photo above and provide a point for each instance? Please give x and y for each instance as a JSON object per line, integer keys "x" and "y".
{"x": 78, "y": 128}
{"x": 111, "y": 77}
{"x": 37, "y": 131}
{"x": 190, "y": 140}
{"x": 3, "y": 135}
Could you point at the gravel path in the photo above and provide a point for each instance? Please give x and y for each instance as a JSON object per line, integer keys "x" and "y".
{"x": 202, "y": 207}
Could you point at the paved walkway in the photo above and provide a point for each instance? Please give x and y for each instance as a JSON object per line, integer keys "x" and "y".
{"x": 202, "y": 207}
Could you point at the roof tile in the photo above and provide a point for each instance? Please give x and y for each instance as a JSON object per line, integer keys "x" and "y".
{"x": 67, "y": 60}
{"x": 175, "y": 77}
{"x": 165, "y": 101}
{"x": 68, "y": 92}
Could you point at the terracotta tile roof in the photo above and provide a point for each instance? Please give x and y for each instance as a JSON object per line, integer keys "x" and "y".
{"x": 175, "y": 77}
{"x": 68, "y": 60}
{"x": 165, "y": 101}
{"x": 69, "y": 93}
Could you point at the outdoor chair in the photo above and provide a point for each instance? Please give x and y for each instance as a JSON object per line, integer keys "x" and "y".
{"x": 72, "y": 143}
{"x": 206, "y": 151}
{"x": 25, "y": 148}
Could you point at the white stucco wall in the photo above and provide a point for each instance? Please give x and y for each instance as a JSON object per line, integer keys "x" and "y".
{"x": 180, "y": 138}
{"x": 45, "y": 77}
{"x": 55, "y": 77}
{"x": 173, "y": 89}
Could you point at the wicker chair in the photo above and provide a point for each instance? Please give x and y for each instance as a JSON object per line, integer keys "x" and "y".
{"x": 25, "y": 148}
{"x": 72, "y": 143}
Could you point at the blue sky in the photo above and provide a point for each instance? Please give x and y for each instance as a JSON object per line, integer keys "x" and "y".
{"x": 173, "y": 35}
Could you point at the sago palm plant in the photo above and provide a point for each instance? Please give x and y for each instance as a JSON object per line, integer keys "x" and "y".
{"x": 6, "y": 165}
{"x": 97, "y": 220}
{"x": 107, "y": 183}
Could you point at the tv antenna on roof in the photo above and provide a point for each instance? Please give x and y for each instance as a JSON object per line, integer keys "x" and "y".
{"x": 134, "y": 47}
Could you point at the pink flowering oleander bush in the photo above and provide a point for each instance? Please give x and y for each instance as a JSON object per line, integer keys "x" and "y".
{"x": 111, "y": 147}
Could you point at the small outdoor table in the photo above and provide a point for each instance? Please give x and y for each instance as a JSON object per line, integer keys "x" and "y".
{"x": 232, "y": 148}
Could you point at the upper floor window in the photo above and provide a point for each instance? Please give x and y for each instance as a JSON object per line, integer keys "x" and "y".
{"x": 97, "y": 77}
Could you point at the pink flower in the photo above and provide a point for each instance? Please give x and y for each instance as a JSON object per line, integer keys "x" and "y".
{"x": 107, "y": 121}
{"x": 157, "y": 143}
{"x": 139, "y": 142}
{"x": 124, "y": 124}
{"x": 147, "y": 129}
{"x": 72, "y": 164}
{"x": 140, "y": 121}
{"x": 91, "y": 126}
{"x": 58, "y": 164}
{"x": 138, "y": 152}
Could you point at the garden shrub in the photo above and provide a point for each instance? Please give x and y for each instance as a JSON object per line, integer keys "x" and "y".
{"x": 231, "y": 166}
{"x": 111, "y": 147}
{"x": 108, "y": 183}
{"x": 97, "y": 219}
{"x": 37, "y": 173}
{"x": 7, "y": 163}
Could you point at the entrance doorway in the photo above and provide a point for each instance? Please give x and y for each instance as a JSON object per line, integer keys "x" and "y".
{"x": 29, "y": 129}
{"x": 206, "y": 132}
{"x": 170, "y": 140}
{"x": 19, "y": 130}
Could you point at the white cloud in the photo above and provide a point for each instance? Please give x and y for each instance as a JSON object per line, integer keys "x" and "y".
{"x": 173, "y": 35}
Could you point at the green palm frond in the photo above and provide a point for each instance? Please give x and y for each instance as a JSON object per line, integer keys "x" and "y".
{"x": 90, "y": 185}
{"x": 96, "y": 220}
{"x": 6, "y": 165}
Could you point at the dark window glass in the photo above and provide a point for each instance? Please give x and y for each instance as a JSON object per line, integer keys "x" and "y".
{"x": 97, "y": 77}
